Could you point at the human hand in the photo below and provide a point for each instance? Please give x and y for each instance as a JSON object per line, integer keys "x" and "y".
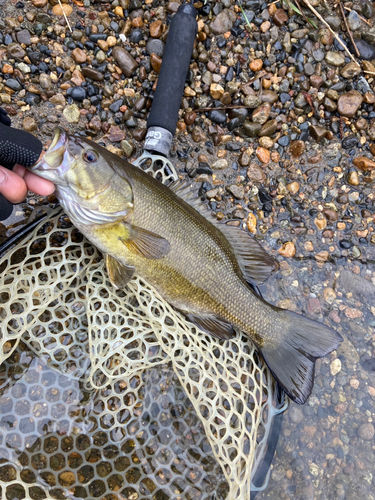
{"x": 15, "y": 183}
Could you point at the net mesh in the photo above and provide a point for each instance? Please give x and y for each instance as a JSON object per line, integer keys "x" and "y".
{"x": 113, "y": 359}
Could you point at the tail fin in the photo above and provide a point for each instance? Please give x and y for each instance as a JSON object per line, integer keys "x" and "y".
{"x": 292, "y": 360}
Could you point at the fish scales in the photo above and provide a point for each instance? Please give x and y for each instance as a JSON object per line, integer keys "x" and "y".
{"x": 141, "y": 225}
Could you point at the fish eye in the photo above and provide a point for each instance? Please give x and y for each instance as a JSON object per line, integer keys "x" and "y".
{"x": 90, "y": 157}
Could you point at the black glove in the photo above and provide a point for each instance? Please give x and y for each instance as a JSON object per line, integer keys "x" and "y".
{"x": 16, "y": 146}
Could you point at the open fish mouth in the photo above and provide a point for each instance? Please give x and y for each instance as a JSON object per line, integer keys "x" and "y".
{"x": 56, "y": 160}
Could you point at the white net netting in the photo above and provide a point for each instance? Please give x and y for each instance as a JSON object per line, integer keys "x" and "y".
{"x": 178, "y": 414}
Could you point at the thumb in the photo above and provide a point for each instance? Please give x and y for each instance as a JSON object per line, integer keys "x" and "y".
{"x": 12, "y": 186}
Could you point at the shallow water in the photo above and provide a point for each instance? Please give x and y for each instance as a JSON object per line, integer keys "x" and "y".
{"x": 326, "y": 447}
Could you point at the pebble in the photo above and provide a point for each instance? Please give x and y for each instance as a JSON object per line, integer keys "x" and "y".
{"x": 350, "y": 70}
{"x": 237, "y": 190}
{"x": 256, "y": 65}
{"x": 251, "y": 129}
{"x": 220, "y": 164}
{"x": 364, "y": 163}
{"x": 317, "y": 132}
{"x": 280, "y": 17}
{"x": 297, "y": 148}
{"x": 263, "y": 155}
{"x": 223, "y": 22}
{"x": 366, "y": 50}
{"x": 366, "y": 431}
{"x": 251, "y": 223}
{"x": 29, "y": 124}
{"x": 156, "y": 29}
{"x": 293, "y": 187}
{"x": 295, "y": 414}
{"x": 287, "y": 250}
{"x": 24, "y": 36}
{"x": 155, "y": 46}
{"x": 335, "y": 367}
{"x": 256, "y": 174}
{"x": 262, "y": 113}
{"x": 62, "y": 9}
{"x": 335, "y": 58}
{"x": 125, "y": 61}
{"x": 349, "y": 103}
{"x": 92, "y": 73}
{"x": 78, "y": 93}
{"x": 265, "y": 142}
{"x": 71, "y": 113}
{"x": 155, "y": 61}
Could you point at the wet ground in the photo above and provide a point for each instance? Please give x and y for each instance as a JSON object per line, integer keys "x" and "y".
{"x": 305, "y": 201}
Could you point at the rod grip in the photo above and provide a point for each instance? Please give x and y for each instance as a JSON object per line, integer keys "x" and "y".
{"x": 174, "y": 69}
{"x": 16, "y": 146}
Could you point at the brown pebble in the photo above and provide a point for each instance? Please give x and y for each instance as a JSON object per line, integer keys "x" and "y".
{"x": 349, "y": 103}
{"x": 116, "y": 134}
{"x": 251, "y": 223}
{"x": 155, "y": 62}
{"x": 79, "y": 55}
{"x": 293, "y": 187}
{"x": 256, "y": 65}
{"x": 322, "y": 256}
{"x": 297, "y": 148}
{"x": 137, "y": 22}
{"x": 353, "y": 178}
{"x": 364, "y": 163}
{"x": 190, "y": 117}
{"x": 287, "y": 250}
{"x": 280, "y": 17}
{"x": 320, "y": 222}
{"x": 330, "y": 214}
{"x": 263, "y": 155}
{"x": 39, "y": 3}
{"x": 29, "y": 124}
{"x": 256, "y": 174}
{"x": 60, "y": 10}
{"x": 369, "y": 98}
{"x": 139, "y": 134}
{"x": 156, "y": 29}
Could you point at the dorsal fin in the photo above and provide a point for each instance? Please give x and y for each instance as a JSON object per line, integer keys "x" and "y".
{"x": 254, "y": 261}
{"x": 183, "y": 190}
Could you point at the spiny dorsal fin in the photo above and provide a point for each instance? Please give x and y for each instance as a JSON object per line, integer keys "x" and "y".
{"x": 254, "y": 261}
{"x": 183, "y": 190}
{"x": 145, "y": 243}
{"x": 118, "y": 273}
{"x": 213, "y": 325}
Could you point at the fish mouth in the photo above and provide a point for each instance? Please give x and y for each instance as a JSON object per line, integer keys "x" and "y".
{"x": 54, "y": 161}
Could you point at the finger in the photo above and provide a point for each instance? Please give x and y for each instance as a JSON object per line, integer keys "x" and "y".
{"x": 34, "y": 182}
{"x": 12, "y": 186}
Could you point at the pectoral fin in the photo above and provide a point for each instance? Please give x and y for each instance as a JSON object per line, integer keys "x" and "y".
{"x": 145, "y": 243}
{"x": 213, "y": 325}
{"x": 118, "y": 273}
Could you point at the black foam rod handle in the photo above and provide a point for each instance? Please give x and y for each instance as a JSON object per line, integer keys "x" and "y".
{"x": 174, "y": 69}
{"x": 16, "y": 146}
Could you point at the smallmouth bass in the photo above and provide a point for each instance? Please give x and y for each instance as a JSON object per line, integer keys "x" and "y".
{"x": 201, "y": 267}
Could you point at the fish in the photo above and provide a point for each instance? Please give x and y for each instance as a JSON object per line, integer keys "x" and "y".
{"x": 205, "y": 269}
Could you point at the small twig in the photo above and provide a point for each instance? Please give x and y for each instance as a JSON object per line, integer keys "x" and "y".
{"x": 362, "y": 18}
{"x": 369, "y": 72}
{"x": 331, "y": 30}
{"x": 66, "y": 19}
{"x": 348, "y": 29}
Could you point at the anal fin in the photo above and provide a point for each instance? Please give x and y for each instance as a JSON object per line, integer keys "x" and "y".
{"x": 213, "y": 325}
{"x": 118, "y": 273}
